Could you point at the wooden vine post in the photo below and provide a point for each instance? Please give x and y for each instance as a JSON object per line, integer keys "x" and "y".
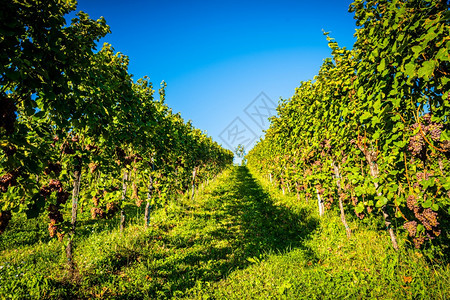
{"x": 75, "y": 194}
{"x": 320, "y": 204}
{"x": 123, "y": 198}
{"x": 194, "y": 175}
{"x": 341, "y": 205}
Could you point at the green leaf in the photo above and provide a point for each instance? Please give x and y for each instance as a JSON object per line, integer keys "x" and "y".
{"x": 427, "y": 69}
{"x": 383, "y": 201}
{"x": 443, "y": 55}
{"x": 365, "y": 116}
{"x": 427, "y": 204}
{"x": 420, "y": 228}
{"x": 376, "y": 135}
{"x": 377, "y": 105}
{"x": 359, "y": 208}
{"x": 360, "y": 91}
{"x": 345, "y": 112}
{"x": 375, "y": 120}
{"x": 435, "y": 207}
{"x": 382, "y": 65}
{"x": 445, "y": 136}
{"x": 410, "y": 69}
{"x": 417, "y": 50}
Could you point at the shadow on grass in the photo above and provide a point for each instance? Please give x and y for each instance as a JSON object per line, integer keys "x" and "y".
{"x": 233, "y": 226}
{"x": 247, "y": 225}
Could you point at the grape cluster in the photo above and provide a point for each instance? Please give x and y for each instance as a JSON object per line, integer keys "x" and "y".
{"x": 417, "y": 142}
{"x": 7, "y": 180}
{"x": 52, "y": 228}
{"x": 103, "y": 212}
{"x": 446, "y": 146}
{"x": 369, "y": 209}
{"x": 135, "y": 191}
{"x": 411, "y": 227}
{"x": 45, "y": 191}
{"x": 97, "y": 212}
{"x": 91, "y": 147}
{"x": 7, "y": 113}
{"x": 423, "y": 175}
{"x": 5, "y": 217}
{"x": 67, "y": 149}
{"x": 93, "y": 167}
{"x": 112, "y": 208}
{"x": 435, "y": 131}
{"x": 426, "y": 118}
{"x": 96, "y": 200}
{"x": 61, "y": 197}
{"x": 53, "y": 167}
{"x": 360, "y": 215}
{"x": 427, "y": 217}
{"x": 60, "y": 236}
{"x": 55, "y": 217}
{"x": 411, "y": 202}
{"x": 54, "y": 214}
{"x": 54, "y": 185}
{"x": 418, "y": 241}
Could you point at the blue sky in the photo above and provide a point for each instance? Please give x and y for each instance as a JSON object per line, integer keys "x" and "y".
{"x": 218, "y": 56}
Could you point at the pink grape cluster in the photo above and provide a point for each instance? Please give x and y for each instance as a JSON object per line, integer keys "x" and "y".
{"x": 429, "y": 128}
{"x": 411, "y": 227}
{"x": 427, "y": 217}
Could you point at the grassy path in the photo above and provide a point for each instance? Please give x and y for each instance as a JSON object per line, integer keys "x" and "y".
{"x": 233, "y": 223}
{"x": 237, "y": 239}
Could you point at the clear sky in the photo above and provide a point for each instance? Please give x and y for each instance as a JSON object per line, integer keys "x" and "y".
{"x": 217, "y": 57}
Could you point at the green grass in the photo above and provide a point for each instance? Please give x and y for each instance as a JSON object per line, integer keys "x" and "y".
{"x": 238, "y": 239}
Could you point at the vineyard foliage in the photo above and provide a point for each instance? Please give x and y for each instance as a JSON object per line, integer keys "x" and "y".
{"x": 74, "y": 124}
{"x": 371, "y": 131}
